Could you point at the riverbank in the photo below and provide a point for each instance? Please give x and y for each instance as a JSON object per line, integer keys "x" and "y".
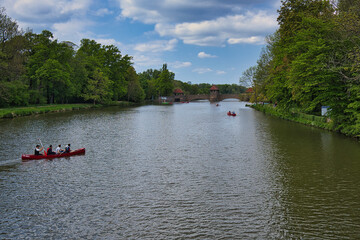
{"x": 307, "y": 119}
{"x": 41, "y": 109}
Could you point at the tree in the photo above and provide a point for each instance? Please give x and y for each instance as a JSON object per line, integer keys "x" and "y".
{"x": 56, "y": 81}
{"x": 164, "y": 82}
{"x": 117, "y": 66}
{"x": 135, "y": 92}
{"x": 98, "y": 87}
{"x": 8, "y": 28}
{"x": 109, "y": 60}
{"x": 12, "y": 56}
{"x": 248, "y": 80}
{"x": 148, "y": 82}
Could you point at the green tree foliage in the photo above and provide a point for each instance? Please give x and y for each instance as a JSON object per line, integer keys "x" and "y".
{"x": 165, "y": 82}
{"x": 313, "y": 60}
{"x": 91, "y": 55}
{"x": 147, "y": 81}
{"x": 135, "y": 91}
{"x": 12, "y": 85}
{"x": 49, "y": 68}
{"x": 98, "y": 87}
{"x": 56, "y": 81}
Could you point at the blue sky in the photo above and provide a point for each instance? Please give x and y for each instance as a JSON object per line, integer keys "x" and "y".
{"x": 202, "y": 41}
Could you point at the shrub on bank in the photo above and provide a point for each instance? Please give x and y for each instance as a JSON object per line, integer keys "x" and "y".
{"x": 307, "y": 119}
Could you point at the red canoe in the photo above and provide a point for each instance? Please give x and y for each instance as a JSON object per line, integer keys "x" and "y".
{"x": 231, "y": 114}
{"x": 26, "y": 157}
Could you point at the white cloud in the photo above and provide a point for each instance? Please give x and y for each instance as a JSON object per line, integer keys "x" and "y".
{"x": 250, "y": 40}
{"x": 103, "y": 11}
{"x": 143, "y": 62}
{"x": 206, "y": 22}
{"x": 177, "y": 11}
{"x": 73, "y": 30}
{"x": 216, "y": 32}
{"x": 48, "y": 11}
{"x": 219, "y": 72}
{"x": 205, "y": 55}
{"x": 65, "y": 18}
{"x": 178, "y": 64}
{"x": 111, "y": 41}
{"x": 202, "y": 70}
{"x": 156, "y": 46}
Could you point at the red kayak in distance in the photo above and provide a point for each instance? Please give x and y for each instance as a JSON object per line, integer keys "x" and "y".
{"x": 27, "y": 157}
{"x": 231, "y": 114}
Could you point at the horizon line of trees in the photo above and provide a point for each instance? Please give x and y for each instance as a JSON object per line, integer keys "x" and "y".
{"x": 313, "y": 60}
{"x": 38, "y": 69}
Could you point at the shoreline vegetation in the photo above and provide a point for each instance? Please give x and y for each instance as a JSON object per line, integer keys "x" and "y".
{"x": 322, "y": 122}
{"x": 8, "y": 113}
{"x": 37, "y": 69}
{"x": 312, "y": 61}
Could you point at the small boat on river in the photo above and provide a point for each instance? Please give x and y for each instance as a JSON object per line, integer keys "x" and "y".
{"x": 27, "y": 157}
{"x": 231, "y": 114}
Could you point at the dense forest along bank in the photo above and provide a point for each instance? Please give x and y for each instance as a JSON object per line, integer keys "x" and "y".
{"x": 178, "y": 171}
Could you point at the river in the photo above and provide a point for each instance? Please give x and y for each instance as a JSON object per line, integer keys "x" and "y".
{"x": 186, "y": 171}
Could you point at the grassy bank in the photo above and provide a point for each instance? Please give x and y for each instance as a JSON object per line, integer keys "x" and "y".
{"x": 32, "y": 110}
{"x": 307, "y": 119}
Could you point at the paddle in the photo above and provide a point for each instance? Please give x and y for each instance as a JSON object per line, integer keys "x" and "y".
{"x": 42, "y": 146}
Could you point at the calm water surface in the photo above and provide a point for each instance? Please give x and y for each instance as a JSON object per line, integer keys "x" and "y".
{"x": 186, "y": 171}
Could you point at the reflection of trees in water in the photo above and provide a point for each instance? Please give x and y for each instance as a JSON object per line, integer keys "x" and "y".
{"x": 316, "y": 175}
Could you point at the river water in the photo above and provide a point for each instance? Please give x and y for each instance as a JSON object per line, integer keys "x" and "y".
{"x": 186, "y": 171}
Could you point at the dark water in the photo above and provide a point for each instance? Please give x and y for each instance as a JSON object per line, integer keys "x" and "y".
{"x": 186, "y": 171}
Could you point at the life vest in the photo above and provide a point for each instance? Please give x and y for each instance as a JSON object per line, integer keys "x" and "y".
{"x": 36, "y": 152}
{"x": 49, "y": 151}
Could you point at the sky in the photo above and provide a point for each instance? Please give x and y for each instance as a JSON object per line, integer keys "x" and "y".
{"x": 201, "y": 41}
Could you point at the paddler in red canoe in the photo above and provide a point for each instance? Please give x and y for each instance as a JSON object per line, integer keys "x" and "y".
{"x": 58, "y": 150}
{"x": 67, "y": 148}
{"x": 38, "y": 149}
{"x": 49, "y": 151}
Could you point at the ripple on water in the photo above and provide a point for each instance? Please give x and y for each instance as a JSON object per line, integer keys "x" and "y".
{"x": 179, "y": 172}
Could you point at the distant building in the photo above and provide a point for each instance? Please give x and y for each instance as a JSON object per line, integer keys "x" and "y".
{"x": 178, "y": 92}
{"x": 214, "y": 94}
{"x": 249, "y": 90}
{"x": 178, "y": 95}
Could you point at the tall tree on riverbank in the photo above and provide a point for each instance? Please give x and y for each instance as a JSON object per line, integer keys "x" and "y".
{"x": 135, "y": 91}
{"x": 49, "y": 68}
{"x": 12, "y": 57}
{"x": 109, "y": 60}
{"x": 315, "y": 60}
{"x": 98, "y": 87}
{"x": 165, "y": 82}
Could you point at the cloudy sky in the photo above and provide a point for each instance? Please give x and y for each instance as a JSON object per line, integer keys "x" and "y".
{"x": 202, "y": 41}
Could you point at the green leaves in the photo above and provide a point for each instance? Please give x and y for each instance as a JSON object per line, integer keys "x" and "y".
{"x": 315, "y": 60}
{"x": 98, "y": 87}
{"x": 164, "y": 83}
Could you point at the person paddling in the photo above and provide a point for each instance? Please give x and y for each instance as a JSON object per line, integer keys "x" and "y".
{"x": 49, "y": 151}
{"x": 67, "y": 148}
{"x": 58, "y": 150}
{"x": 38, "y": 149}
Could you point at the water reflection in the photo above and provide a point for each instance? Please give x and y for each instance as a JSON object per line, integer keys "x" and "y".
{"x": 181, "y": 171}
{"x": 317, "y": 182}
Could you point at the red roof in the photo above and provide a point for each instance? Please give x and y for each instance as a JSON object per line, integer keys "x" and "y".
{"x": 214, "y": 88}
{"x": 178, "y": 90}
{"x": 249, "y": 90}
